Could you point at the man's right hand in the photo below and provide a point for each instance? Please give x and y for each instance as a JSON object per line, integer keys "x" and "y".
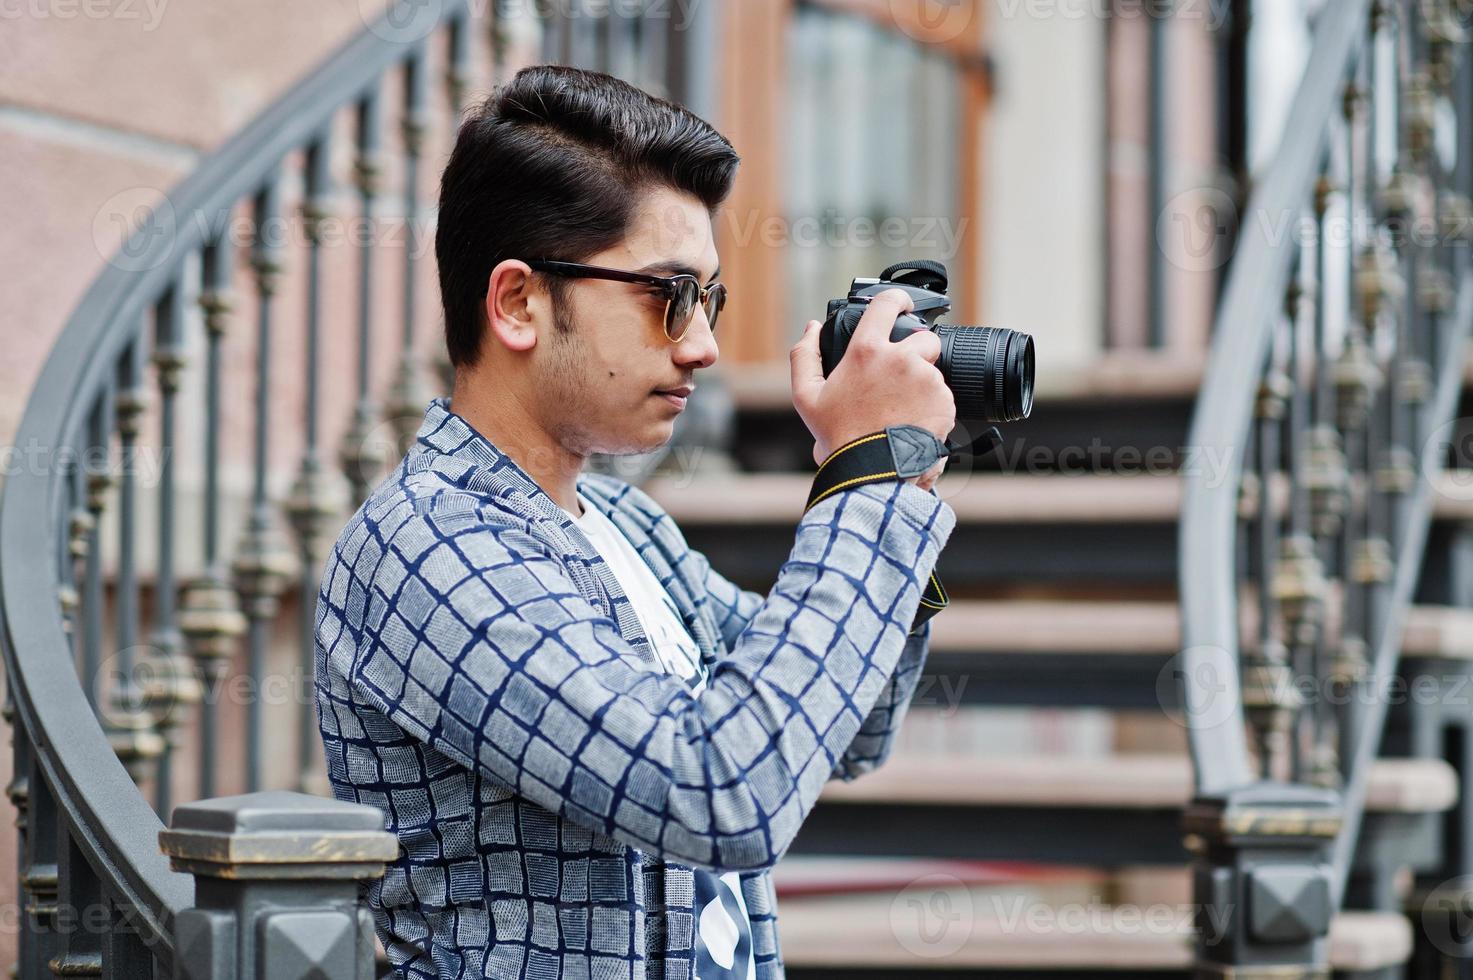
{"x": 877, "y": 383}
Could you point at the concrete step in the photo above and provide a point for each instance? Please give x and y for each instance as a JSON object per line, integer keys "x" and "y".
{"x": 1121, "y": 782}
{"x": 1107, "y": 810}
{"x": 1111, "y": 413}
{"x": 1082, "y": 653}
{"x": 941, "y": 925}
{"x": 1065, "y": 531}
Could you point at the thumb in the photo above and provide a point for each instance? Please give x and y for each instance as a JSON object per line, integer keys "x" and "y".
{"x": 807, "y": 364}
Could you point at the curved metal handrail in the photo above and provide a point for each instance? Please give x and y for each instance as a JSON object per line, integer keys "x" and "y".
{"x": 109, "y": 819}
{"x": 1251, "y": 298}
{"x": 1262, "y": 274}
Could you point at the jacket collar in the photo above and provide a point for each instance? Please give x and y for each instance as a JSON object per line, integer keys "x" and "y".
{"x": 448, "y": 442}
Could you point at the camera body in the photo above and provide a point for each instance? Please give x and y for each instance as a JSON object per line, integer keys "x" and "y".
{"x": 988, "y": 369}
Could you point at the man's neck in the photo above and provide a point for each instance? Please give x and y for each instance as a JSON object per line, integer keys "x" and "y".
{"x": 507, "y": 425}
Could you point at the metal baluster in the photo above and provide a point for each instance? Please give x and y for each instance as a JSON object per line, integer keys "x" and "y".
{"x": 408, "y": 397}
{"x": 209, "y": 615}
{"x": 262, "y": 565}
{"x": 623, "y": 58}
{"x": 125, "y": 954}
{"x": 1299, "y": 582}
{"x": 170, "y": 685}
{"x": 1262, "y": 678}
{"x": 1325, "y": 479}
{"x": 79, "y": 896}
{"x": 312, "y": 504}
{"x": 40, "y": 879}
{"x": 457, "y": 77}
{"x": 1357, "y": 379}
{"x": 361, "y": 455}
{"x": 1158, "y": 26}
{"x": 130, "y": 729}
{"x": 74, "y": 499}
{"x": 1266, "y": 665}
{"x": 457, "y": 64}
{"x": 99, "y": 481}
{"x": 584, "y": 52}
{"x": 502, "y": 31}
{"x": 79, "y": 529}
{"x": 1397, "y": 474}
{"x": 18, "y": 791}
{"x": 654, "y": 51}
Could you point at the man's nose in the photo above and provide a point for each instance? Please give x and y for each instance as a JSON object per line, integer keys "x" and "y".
{"x": 698, "y": 347}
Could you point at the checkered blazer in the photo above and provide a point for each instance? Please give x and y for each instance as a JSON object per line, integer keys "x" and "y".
{"x": 482, "y": 679}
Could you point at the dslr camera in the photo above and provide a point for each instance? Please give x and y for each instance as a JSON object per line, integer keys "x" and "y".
{"x": 988, "y": 369}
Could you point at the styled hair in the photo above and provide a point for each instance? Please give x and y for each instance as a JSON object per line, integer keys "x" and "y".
{"x": 550, "y": 165}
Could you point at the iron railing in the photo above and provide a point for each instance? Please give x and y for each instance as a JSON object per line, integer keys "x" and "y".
{"x": 107, "y": 692}
{"x": 1337, "y": 360}
{"x": 274, "y": 887}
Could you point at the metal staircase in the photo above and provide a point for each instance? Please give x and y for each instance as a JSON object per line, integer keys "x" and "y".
{"x": 1238, "y": 563}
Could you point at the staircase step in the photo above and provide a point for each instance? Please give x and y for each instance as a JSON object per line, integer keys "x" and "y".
{"x": 1118, "y": 407}
{"x": 1092, "y": 627}
{"x": 1083, "y": 653}
{"x": 983, "y": 498}
{"x": 1110, "y": 810}
{"x": 1120, "y": 782}
{"x": 1011, "y": 529}
{"x": 941, "y": 926}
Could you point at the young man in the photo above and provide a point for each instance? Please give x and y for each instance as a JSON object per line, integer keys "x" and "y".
{"x": 592, "y": 747}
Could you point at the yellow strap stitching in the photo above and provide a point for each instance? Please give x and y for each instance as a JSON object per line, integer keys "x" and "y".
{"x": 849, "y": 483}
{"x": 847, "y": 446}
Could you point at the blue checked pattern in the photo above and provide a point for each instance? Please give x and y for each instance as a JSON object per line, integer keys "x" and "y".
{"x": 483, "y": 680}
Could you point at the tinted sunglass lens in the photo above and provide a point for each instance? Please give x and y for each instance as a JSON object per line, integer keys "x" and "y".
{"x": 715, "y": 300}
{"x": 682, "y": 305}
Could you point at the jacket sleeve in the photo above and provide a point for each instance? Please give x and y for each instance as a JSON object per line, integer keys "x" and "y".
{"x": 871, "y": 747}
{"x": 735, "y": 607}
{"x": 473, "y": 638}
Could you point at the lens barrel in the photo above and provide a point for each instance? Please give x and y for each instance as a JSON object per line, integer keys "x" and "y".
{"x": 989, "y": 370}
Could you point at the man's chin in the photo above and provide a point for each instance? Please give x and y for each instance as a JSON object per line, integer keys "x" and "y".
{"x": 654, "y": 439}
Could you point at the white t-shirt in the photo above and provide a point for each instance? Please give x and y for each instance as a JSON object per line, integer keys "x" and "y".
{"x": 723, "y": 948}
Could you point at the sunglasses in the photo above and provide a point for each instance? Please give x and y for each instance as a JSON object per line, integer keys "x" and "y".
{"x": 682, "y": 292}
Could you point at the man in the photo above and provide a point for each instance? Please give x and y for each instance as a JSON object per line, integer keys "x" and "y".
{"x": 592, "y": 747}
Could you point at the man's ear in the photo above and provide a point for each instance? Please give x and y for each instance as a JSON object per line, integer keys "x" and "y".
{"x": 515, "y": 305}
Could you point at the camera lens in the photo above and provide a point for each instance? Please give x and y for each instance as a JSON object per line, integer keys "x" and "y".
{"x": 989, "y": 370}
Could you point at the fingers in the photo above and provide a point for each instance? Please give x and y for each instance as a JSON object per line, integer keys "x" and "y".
{"x": 879, "y": 317}
{"x": 925, "y": 343}
{"x": 807, "y": 365}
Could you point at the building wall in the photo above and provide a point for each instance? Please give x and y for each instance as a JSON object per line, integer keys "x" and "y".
{"x": 1043, "y": 192}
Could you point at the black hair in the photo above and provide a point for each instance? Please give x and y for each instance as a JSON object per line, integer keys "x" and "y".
{"x": 550, "y": 166}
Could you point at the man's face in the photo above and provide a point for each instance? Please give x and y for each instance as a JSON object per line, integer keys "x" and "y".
{"x": 599, "y": 381}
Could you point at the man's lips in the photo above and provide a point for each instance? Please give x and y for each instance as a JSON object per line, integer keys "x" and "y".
{"x": 682, "y": 392}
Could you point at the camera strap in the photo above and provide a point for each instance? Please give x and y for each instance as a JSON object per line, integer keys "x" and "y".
{"x": 880, "y": 456}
